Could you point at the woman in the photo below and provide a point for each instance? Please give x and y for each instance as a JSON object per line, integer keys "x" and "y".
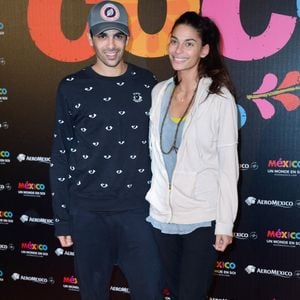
{"x": 193, "y": 140}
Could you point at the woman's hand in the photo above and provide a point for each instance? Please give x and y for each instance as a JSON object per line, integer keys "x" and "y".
{"x": 222, "y": 241}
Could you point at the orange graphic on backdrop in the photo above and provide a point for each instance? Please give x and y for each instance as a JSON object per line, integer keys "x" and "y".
{"x": 155, "y": 45}
{"x": 44, "y": 22}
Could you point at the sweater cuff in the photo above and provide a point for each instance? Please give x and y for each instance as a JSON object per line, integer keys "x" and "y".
{"x": 62, "y": 229}
{"x": 224, "y": 228}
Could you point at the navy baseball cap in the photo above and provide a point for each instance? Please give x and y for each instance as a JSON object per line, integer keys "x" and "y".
{"x": 108, "y": 15}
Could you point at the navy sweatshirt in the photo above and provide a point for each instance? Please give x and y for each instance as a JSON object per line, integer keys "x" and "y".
{"x": 100, "y": 157}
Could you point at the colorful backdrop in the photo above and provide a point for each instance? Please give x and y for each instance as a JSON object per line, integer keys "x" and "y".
{"x": 41, "y": 41}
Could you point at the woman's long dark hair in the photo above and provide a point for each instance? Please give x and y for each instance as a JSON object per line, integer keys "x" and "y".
{"x": 213, "y": 64}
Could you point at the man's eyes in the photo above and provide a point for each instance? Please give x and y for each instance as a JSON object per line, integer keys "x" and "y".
{"x": 118, "y": 36}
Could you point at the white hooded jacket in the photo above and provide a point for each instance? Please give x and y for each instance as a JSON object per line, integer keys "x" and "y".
{"x": 204, "y": 182}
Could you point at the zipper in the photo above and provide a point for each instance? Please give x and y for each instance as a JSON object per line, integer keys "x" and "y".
{"x": 169, "y": 195}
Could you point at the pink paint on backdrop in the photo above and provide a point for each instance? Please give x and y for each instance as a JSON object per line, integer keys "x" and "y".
{"x": 269, "y": 83}
{"x": 239, "y": 45}
{"x": 265, "y": 108}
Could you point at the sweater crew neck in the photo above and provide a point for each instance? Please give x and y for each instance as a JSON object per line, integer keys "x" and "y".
{"x": 98, "y": 76}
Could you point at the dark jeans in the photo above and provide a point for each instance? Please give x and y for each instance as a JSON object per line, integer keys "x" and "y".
{"x": 188, "y": 262}
{"x": 102, "y": 240}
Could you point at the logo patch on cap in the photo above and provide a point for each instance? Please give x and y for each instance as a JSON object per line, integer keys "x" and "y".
{"x": 110, "y": 12}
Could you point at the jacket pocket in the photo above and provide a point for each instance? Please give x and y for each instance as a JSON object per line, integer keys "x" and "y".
{"x": 195, "y": 189}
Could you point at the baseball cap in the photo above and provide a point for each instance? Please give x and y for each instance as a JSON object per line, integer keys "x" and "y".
{"x": 108, "y": 15}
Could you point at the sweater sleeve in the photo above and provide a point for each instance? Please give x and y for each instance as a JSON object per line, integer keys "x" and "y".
{"x": 60, "y": 167}
{"x": 228, "y": 167}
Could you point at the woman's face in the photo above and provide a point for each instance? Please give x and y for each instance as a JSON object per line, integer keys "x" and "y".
{"x": 185, "y": 48}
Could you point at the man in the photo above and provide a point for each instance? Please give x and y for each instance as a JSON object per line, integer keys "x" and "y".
{"x": 100, "y": 169}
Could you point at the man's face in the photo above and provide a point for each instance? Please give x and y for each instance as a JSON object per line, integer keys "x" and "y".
{"x": 109, "y": 46}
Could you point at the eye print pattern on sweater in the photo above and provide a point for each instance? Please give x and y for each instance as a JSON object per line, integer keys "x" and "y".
{"x": 83, "y": 168}
{"x": 101, "y": 140}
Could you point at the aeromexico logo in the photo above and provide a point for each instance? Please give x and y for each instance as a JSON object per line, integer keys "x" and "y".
{"x": 32, "y": 220}
{"x": 125, "y": 290}
{"x": 32, "y": 278}
{"x": 61, "y": 251}
{"x": 251, "y": 269}
{"x": 42, "y": 159}
{"x": 253, "y": 201}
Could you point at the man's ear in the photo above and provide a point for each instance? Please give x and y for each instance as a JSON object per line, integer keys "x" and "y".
{"x": 90, "y": 39}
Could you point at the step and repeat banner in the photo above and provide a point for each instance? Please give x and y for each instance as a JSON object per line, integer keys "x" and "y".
{"x": 41, "y": 41}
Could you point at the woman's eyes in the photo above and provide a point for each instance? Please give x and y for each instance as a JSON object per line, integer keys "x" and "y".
{"x": 185, "y": 44}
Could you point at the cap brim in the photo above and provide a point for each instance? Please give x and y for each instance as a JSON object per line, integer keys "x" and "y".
{"x": 99, "y": 28}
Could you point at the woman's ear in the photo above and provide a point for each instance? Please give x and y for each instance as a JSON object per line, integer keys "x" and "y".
{"x": 204, "y": 51}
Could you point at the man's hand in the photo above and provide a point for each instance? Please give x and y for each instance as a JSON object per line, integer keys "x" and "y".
{"x": 65, "y": 240}
{"x": 222, "y": 241}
